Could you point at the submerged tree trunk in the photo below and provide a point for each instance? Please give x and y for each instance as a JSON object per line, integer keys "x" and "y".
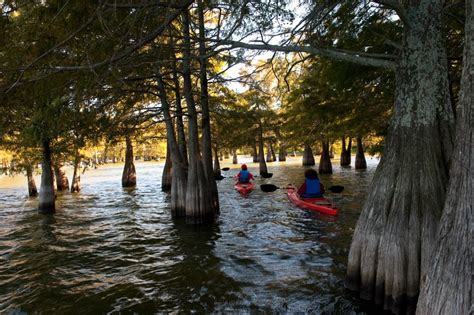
{"x": 394, "y": 237}
{"x": 166, "y": 177}
{"x": 308, "y": 157}
{"x": 178, "y": 171}
{"x": 346, "y": 152}
{"x": 129, "y": 175}
{"x": 255, "y": 154}
{"x": 360, "y": 162}
{"x": 448, "y": 288}
{"x": 199, "y": 201}
{"x": 205, "y": 114}
{"x": 262, "y": 165}
{"x": 331, "y": 151}
{"x": 46, "y": 195}
{"x": 234, "y": 157}
{"x": 32, "y": 191}
{"x": 76, "y": 177}
{"x": 62, "y": 182}
{"x": 325, "y": 166}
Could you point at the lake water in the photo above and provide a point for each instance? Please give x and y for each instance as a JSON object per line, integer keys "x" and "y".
{"x": 114, "y": 250}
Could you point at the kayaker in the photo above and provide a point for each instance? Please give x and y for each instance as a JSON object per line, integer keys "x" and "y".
{"x": 312, "y": 187}
{"x": 244, "y": 176}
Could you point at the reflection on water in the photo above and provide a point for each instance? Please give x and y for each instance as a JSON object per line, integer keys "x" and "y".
{"x": 110, "y": 250}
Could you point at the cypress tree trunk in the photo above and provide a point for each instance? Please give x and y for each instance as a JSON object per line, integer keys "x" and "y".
{"x": 76, "y": 177}
{"x": 360, "y": 162}
{"x": 234, "y": 157}
{"x": 282, "y": 153}
{"x": 205, "y": 114}
{"x": 331, "y": 151}
{"x": 261, "y": 157}
{"x": 394, "y": 237}
{"x": 178, "y": 171}
{"x": 308, "y": 157}
{"x": 221, "y": 157}
{"x": 448, "y": 288}
{"x": 104, "y": 155}
{"x": 269, "y": 155}
{"x": 62, "y": 182}
{"x": 199, "y": 202}
{"x": 325, "y": 166}
{"x": 226, "y": 155}
{"x": 255, "y": 153}
{"x": 32, "y": 191}
{"x": 217, "y": 165}
{"x": 46, "y": 195}
{"x": 179, "y": 116}
{"x": 272, "y": 150}
{"x": 129, "y": 175}
{"x": 166, "y": 177}
{"x": 346, "y": 152}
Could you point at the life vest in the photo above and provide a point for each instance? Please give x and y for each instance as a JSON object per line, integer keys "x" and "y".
{"x": 313, "y": 188}
{"x": 244, "y": 176}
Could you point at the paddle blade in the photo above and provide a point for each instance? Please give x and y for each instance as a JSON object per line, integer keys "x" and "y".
{"x": 268, "y": 187}
{"x": 218, "y": 177}
{"x": 266, "y": 175}
{"x": 225, "y": 168}
{"x": 336, "y": 189}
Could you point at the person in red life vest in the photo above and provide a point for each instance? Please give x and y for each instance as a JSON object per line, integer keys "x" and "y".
{"x": 312, "y": 187}
{"x": 244, "y": 176}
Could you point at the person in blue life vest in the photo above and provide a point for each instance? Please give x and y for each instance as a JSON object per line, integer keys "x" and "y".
{"x": 244, "y": 176}
{"x": 312, "y": 187}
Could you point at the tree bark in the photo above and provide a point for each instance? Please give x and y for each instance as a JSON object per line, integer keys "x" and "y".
{"x": 217, "y": 165}
{"x": 62, "y": 182}
{"x": 234, "y": 157}
{"x": 272, "y": 150}
{"x": 46, "y": 195}
{"x": 205, "y": 114}
{"x": 331, "y": 151}
{"x": 325, "y": 166}
{"x": 76, "y": 177}
{"x": 32, "y": 191}
{"x": 129, "y": 175}
{"x": 394, "y": 237}
{"x": 360, "y": 162}
{"x": 269, "y": 157}
{"x": 346, "y": 152}
{"x": 179, "y": 117}
{"x": 166, "y": 177}
{"x": 308, "y": 157}
{"x": 178, "y": 170}
{"x": 255, "y": 154}
{"x": 199, "y": 202}
{"x": 262, "y": 165}
{"x": 448, "y": 288}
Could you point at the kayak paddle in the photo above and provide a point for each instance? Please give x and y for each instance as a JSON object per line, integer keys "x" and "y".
{"x": 271, "y": 188}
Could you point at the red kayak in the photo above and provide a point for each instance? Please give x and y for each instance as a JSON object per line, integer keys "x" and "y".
{"x": 322, "y": 204}
{"x": 244, "y": 188}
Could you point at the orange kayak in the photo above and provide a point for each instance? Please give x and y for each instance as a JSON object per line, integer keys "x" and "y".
{"x": 322, "y": 204}
{"x": 244, "y": 188}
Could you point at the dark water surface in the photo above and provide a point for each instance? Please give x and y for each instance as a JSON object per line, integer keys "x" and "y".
{"x": 111, "y": 250}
